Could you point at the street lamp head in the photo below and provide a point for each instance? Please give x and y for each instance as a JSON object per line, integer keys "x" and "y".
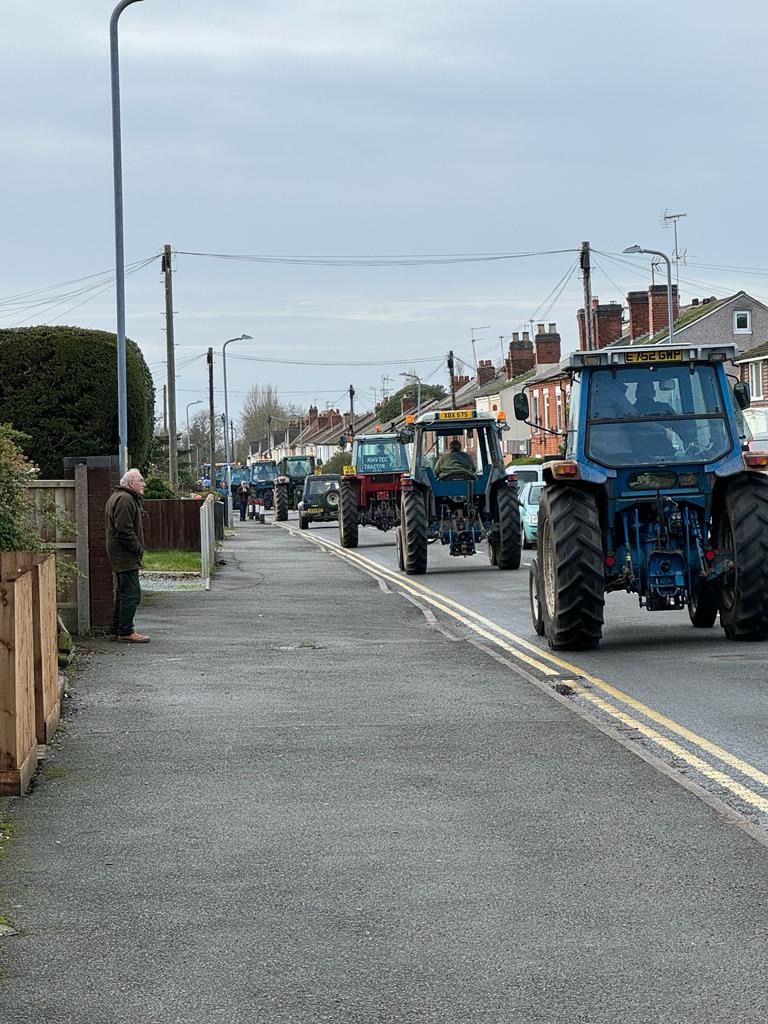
{"x": 633, "y": 249}
{"x": 245, "y": 337}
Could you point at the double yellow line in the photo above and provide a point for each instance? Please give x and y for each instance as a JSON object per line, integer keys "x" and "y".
{"x": 596, "y": 691}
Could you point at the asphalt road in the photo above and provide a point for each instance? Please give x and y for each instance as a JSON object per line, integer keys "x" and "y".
{"x": 309, "y": 801}
{"x": 692, "y": 679}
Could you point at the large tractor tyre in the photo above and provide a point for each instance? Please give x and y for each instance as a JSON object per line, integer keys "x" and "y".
{"x": 702, "y": 609}
{"x": 742, "y": 528}
{"x": 508, "y": 546}
{"x": 534, "y": 583}
{"x": 571, "y": 574}
{"x": 414, "y": 533}
{"x": 281, "y": 503}
{"x": 348, "y": 524}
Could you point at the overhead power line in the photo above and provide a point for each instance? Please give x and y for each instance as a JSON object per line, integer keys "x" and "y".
{"x": 333, "y": 362}
{"x": 394, "y": 260}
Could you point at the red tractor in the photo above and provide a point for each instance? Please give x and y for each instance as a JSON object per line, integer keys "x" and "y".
{"x": 371, "y": 487}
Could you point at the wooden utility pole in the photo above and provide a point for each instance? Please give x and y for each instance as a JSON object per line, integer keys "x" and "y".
{"x": 173, "y": 457}
{"x": 352, "y": 409}
{"x": 589, "y": 319}
{"x": 452, "y": 379}
{"x": 212, "y": 417}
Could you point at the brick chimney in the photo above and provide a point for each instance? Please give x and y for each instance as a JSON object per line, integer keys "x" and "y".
{"x": 486, "y": 371}
{"x": 608, "y": 323}
{"x": 313, "y": 414}
{"x": 547, "y": 344}
{"x": 657, "y": 307}
{"x": 459, "y": 382}
{"x": 520, "y": 357}
{"x": 638, "y": 314}
{"x": 407, "y": 403}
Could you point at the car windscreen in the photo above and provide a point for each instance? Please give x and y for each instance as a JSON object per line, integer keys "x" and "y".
{"x": 524, "y": 475}
{"x": 638, "y": 416}
{"x": 381, "y": 457}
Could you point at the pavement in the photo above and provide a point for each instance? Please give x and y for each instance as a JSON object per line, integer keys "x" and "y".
{"x": 308, "y": 801}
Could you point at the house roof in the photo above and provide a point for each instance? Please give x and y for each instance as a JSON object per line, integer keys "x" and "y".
{"x": 753, "y": 353}
{"x": 690, "y": 315}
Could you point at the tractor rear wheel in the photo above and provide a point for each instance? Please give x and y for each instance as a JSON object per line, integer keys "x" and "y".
{"x": 348, "y": 515}
{"x": 702, "y": 608}
{"x": 572, "y": 591}
{"x": 281, "y": 502}
{"x": 414, "y": 533}
{"x": 508, "y": 541}
{"x": 743, "y": 529}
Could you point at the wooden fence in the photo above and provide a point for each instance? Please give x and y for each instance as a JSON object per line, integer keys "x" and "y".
{"x": 59, "y": 496}
{"x": 172, "y": 523}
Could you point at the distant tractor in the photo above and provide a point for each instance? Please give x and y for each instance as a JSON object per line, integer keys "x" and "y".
{"x": 262, "y": 483}
{"x": 293, "y": 471}
{"x": 371, "y": 486}
{"x": 455, "y": 497}
{"x": 658, "y": 495}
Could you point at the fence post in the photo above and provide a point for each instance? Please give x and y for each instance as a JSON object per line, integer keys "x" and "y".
{"x": 207, "y": 540}
{"x": 82, "y": 556}
{"x": 18, "y": 742}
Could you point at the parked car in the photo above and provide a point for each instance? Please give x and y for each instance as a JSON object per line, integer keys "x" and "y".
{"x": 529, "y": 512}
{"x": 320, "y": 500}
{"x": 526, "y": 472}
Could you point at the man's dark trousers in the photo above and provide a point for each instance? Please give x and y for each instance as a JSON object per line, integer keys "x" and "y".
{"x": 127, "y": 598}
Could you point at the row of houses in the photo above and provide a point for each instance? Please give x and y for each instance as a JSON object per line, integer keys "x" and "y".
{"x": 536, "y": 363}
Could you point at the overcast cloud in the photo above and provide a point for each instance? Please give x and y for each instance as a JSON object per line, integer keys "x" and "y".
{"x": 369, "y": 128}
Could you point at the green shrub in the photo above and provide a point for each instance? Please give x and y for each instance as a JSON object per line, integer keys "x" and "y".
{"x": 59, "y": 386}
{"x": 157, "y": 488}
{"x": 337, "y": 462}
{"x": 16, "y": 505}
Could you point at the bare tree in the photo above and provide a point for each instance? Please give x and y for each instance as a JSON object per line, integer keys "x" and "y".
{"x": 261, "y": 402}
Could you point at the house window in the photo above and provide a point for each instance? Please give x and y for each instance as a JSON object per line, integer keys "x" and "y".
{"x": 756, "y": 379}
{"x": 742, "y": 321}
{"x": 536, "y": 419}
{"x": 546, "y": 408}
{"x": 559, "y": 410}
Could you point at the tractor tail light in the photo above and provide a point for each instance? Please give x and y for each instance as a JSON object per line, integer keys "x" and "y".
{"x": 709, "y": 554}
{"x": 756, "y": 460}
{"x": 610, "y": 561}
{"x": 511, "y": 480}
{"x": 565, "y": 470}
{"x": 406, "y": 483}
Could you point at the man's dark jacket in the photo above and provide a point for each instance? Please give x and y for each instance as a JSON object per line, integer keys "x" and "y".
{"x": 125, "y": 531}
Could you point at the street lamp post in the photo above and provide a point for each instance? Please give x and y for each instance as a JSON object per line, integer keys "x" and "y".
{"x": 415, "y": 377}
{"x": 228, "y": 468}
{"x": 655, "y": 252}
{"x": 117, "y": 165}
{"x": 189, "y": 446}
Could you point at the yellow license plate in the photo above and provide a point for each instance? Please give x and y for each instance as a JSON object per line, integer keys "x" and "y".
{"x": 314, "y": 509}
{"x": 673, "y": 355}
{"x": 349, "y": 470}
{"x": 456, "y": 414}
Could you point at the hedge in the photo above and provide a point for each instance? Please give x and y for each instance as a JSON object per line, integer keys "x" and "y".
{"x": 58, "y": 385}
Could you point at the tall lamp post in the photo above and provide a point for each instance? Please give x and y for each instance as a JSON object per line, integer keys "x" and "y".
{"x": 228, "y": 468}
{"x": 632, "y": 249}
{"x": 117, "y": 165}
{"x": 189, "y": 446}
{"x": 414, "y": 376}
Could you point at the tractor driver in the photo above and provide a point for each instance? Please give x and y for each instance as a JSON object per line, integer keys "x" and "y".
{"x": 455, "y": 464}
{"x": 646, "y": 403}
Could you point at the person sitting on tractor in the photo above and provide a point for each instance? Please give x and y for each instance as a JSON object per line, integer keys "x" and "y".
{"x": 646, "y": 403}
{"x": 455, "y": 464}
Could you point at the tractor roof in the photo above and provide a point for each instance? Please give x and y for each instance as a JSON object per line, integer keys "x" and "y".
{"x": 653, "y": 354}
{"x": 376, "y": 437}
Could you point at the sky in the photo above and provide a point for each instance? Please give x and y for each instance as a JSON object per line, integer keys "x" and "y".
{"x": 372, "y": 129}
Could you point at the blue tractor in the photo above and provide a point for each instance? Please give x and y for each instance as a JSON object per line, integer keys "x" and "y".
{"x": 657, "y": 495}
{"x": 458, "y": 491}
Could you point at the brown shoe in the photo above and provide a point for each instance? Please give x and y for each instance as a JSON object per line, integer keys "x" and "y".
{"x": 134, "y": 638}
{"x": 113, "y": 637}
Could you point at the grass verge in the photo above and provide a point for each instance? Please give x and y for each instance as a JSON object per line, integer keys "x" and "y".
{"x": 170, "y": 560}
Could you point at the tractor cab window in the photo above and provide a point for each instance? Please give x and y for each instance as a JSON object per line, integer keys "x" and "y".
{"x": 472, "y": 451}
{"x": 317, "y": 488}
{"x": 380, "y": 457}
{"x": 298, "y": 467}
{"x": 263, "y": 474}
{"x": 639, "y": 415}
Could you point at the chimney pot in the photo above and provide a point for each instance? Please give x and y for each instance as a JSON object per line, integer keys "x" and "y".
{"x": 515, "y": 336}
{"x": 541, "y": 328}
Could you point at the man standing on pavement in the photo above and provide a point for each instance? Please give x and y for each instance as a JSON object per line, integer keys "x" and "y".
{"x": 125, "y": 547}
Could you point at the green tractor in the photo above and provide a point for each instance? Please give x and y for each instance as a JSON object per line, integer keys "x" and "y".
{"x": 458, "y": 492}
{"x": 293, "y": 471}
